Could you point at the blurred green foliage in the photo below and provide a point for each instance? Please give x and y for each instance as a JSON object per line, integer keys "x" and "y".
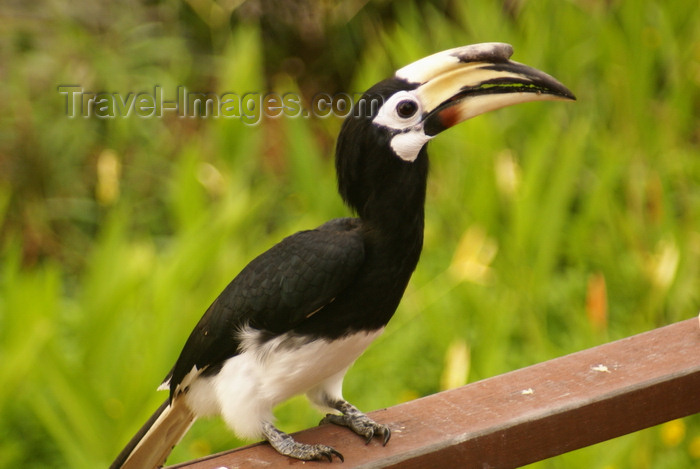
{"x": 550, "y": 227}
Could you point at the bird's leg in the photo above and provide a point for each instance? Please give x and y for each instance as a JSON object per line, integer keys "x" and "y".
{"x": 286, "y": 445}
{"x": 355, "y": 420}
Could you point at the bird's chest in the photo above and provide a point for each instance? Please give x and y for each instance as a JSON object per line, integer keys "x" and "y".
{"x": 290, "y": 364}
{"x": 366, "y": 305}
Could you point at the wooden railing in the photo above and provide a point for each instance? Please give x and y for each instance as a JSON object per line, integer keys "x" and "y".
{"x": 524, "y": 416}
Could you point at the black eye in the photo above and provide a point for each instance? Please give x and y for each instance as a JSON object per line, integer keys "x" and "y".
{"x": 406, "y": 108}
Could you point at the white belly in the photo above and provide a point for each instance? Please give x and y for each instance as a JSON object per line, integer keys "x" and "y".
{"x": 252, "y": 383}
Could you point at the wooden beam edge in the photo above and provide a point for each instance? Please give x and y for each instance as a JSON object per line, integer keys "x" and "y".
{"x": 523, "y": 416}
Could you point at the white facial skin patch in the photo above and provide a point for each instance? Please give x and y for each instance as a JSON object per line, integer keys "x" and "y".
{"x": 408, "y": 145}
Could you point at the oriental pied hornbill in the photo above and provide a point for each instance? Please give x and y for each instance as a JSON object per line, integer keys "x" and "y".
{"x": 296, "y": 317}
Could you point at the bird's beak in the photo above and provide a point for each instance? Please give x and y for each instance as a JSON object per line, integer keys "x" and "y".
{"x": 458, "y": 84}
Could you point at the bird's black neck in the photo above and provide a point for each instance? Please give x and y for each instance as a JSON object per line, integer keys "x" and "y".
{"x": 392, "y": 221}
{"x": 388, "y": 195}
{"x": 393, "y": 212}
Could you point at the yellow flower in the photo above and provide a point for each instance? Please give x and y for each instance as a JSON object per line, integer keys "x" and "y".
{"x": 694, "y": 447}
{"x": 672, "y": 433}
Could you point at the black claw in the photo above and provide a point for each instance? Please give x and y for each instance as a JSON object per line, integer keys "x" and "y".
{"x": 387, "y": 435}
{"x": 327, "y": 452}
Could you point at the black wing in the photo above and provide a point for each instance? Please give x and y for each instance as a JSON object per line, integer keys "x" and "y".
{"x": 276, "y": 292}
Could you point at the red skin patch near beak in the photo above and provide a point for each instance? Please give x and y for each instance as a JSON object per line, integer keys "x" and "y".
{"x": 449, "y": 117}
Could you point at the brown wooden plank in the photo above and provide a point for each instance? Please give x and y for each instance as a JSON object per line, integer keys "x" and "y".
{"x": 523, "y": 416}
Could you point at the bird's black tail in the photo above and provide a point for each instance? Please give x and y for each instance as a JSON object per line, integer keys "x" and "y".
{"x": 151, "y": 445}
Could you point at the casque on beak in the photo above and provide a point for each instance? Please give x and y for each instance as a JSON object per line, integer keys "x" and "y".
{"x": 461, "y": 83}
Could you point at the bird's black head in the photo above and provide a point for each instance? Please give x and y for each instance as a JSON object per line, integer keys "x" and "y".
{"x": 381, "y": 159}
{"x": 366, "y": 165}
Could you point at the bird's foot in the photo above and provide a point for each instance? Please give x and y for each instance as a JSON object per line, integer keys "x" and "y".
{"x": 358, "y": 422}
{"x": 286, "y": 445}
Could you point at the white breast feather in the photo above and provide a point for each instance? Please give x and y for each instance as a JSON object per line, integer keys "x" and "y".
{"x": 252, "y": 383}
